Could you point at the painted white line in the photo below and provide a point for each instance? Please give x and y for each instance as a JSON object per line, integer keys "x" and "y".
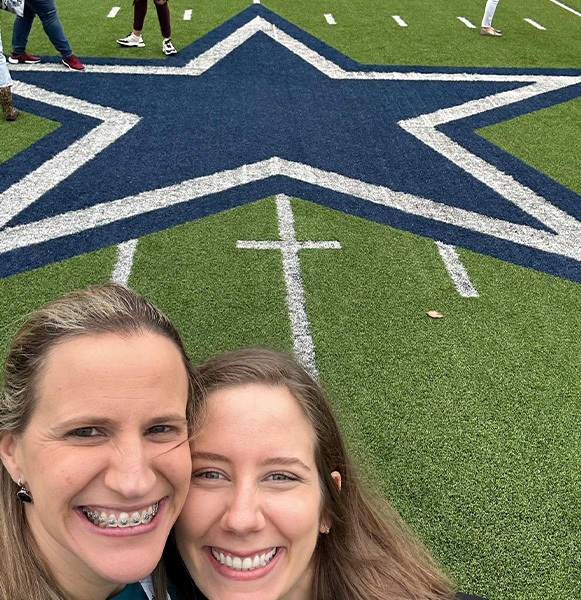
{"x": 125, "y": 255}
{"x": 535, "y": 24}
{"x": 566, "y": 7}
{"x": 330, "y": 19}
{"x": 188, "y": 15}
{"x": 32, "y": 186}
{"x": 288, "y": 245}
{"x": 562, "y": 237}
{"x": 113, "y": 12}
{"x": 457, "y": 271}
{"x": 466, "y": 22}
{"x": 399, "y": 21}
{"x": 256, "y": 1}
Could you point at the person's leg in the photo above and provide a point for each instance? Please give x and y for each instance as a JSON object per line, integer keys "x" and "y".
{"x": 21, "y": 30}
{"x": 139, "y": 13}
{"x": 10, "y": 113}
{"x": 489, "y": 13}
{"x": 134, "y": 39}
{"x": 163, "y": 17}
{"x": 47, "y": 13}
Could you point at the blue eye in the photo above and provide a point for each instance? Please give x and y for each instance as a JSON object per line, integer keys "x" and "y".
{"x": 160, "y": 429}
{"x": 282, "y": 477}
{"x": 84, "y": 432}
{"x": 209, "y": 475}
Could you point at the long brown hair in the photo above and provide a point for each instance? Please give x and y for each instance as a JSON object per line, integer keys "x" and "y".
{"x": 107, "y": 308}
{"x": 369, "y": 553}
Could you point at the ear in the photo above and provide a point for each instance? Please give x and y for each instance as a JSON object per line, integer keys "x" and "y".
{"x": 337, "y": 477}
{"x": 325, "y": 526}
{"x": 8, "y": 445}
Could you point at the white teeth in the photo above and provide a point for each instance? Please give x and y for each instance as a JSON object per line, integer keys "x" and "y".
{"x": 123, "y": 519}
{"x": 244, "y": 564}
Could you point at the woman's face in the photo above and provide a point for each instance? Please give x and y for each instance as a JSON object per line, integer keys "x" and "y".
{"x": 253, "y": 515}
{"x": 105, "y": 457}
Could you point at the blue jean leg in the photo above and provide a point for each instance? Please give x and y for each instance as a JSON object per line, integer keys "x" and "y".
{"x": 47, "y": 13}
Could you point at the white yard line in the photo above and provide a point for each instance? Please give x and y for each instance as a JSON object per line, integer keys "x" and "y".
{"x": 535, "y": 24}
{"x": 188, "y": 15}
{"x": 330, "y": 19}
{"x": 288, "y": 245}
{"x": 571, "y": 10}
{"x": 125, "y": 255}
{"x": 456, "y": 270}
{"x": 113, "y": 12}
{"x": 399, "y": 21}
{"x": 466, "y": 22}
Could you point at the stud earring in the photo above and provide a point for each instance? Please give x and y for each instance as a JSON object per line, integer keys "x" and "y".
{"x": 23, "y": 494}
{"x": 325, "y": 529}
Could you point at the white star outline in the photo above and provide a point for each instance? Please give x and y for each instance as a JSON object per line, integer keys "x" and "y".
{"x": 564, "y": 239}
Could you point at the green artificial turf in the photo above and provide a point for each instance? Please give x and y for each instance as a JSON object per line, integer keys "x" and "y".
{"x": 469, "y": 424}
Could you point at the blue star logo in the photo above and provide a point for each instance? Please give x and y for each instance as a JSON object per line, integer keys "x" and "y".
{"x": 257, "y": 108}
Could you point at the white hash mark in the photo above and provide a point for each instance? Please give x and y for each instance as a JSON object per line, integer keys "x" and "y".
{"x": 288, "y": 245}
{"x": 457, "y": 271}
{"x": 124, "y": 264}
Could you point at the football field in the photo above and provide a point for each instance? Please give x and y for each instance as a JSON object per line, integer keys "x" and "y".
{"x": 318, "y": 176}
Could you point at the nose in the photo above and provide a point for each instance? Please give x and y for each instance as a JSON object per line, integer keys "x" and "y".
{"x": 243, "y": 514}
{"x": 130, "y": 471}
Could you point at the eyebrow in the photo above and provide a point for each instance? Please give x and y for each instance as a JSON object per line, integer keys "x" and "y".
{"x": 275, "y": 460}
{"x": 100, "y": 421}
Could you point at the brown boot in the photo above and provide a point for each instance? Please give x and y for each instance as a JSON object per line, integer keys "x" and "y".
{"x": 10, "y": 112}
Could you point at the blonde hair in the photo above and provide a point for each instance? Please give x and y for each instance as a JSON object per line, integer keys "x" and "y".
{"x": 107, "y": 308}
{"x": 369, "y": 553}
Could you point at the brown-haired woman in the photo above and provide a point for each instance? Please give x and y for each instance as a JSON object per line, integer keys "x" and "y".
{"x": 95, "y": 415}
{"x": 275, "y": 509}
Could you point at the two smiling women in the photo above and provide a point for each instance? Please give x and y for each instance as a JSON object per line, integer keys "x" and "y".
{"x": 95, "y": 420}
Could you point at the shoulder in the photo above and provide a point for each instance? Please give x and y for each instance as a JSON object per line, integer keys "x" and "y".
{"x": 461, "y": 596}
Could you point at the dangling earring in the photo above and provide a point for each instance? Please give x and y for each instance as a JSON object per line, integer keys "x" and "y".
{"x": 23, "y": 494}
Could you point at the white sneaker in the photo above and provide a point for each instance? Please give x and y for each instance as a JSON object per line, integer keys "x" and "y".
{"x": 131, "y": 41}
{"x": 168, "y": 47}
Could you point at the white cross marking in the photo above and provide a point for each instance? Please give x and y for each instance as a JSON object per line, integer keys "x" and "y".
{"x": 289, "y": 246}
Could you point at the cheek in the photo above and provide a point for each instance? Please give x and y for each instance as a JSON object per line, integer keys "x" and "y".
{"x": 198, "y": 515}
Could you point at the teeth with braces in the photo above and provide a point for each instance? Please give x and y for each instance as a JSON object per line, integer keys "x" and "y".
{"x": 244, "y": 564}
{"x": 122, "y": 519}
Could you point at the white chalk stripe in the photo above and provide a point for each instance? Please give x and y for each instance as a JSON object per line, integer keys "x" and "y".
{"x": 330, "y": 19}
{"x": 535, "y": 24}
{"x": 565, "y": 242}
{"x": 43, "y": 179}
{"x": 456, "y": 271}
{"x": 188, "y": 15}
{"x": 399, "y": 21}
{"x": 466, "y": 22}
{"x": 288, "y": 245}
{"x": 566, "y": 7}
{"x": 124, "y": 264}
{"x": 113, "y": 12}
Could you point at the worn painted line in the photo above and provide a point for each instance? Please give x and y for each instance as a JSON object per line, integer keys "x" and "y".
{"x": 457, "y": 271}
{"x": 466, "y": 22}
{"x": 571, "y": 10}
{"x": 535, "y": 24}
{"x": 188, "y": 15}
{"x": 288, "y": 245}
{"x": 124, "y": 264}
